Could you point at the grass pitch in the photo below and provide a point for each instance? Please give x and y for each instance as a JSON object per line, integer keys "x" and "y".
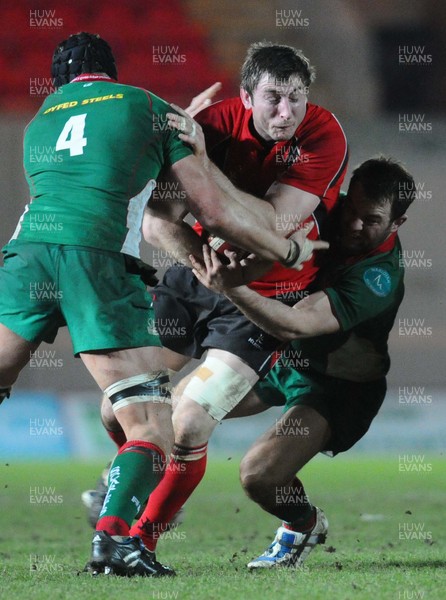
{"x": 387, "y": 537}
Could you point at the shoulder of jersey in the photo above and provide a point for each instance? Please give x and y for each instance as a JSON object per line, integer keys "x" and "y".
{"x": 229, "y": 109}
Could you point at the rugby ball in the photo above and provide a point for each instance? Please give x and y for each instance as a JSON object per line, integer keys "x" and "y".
{"x": 220, "y": 245}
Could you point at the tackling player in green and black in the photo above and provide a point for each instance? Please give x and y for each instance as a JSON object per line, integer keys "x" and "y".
{"x": 332, "y": 378}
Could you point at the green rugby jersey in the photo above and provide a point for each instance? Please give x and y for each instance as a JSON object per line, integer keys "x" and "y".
{"x": 92, "y": 154}
{"x": 364, "y": 295}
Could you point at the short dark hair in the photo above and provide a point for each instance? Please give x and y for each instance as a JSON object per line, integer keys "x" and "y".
{"x": 282, "y": 62}
{"x": 82, "y": 53}
{"x": 386, "y": 180}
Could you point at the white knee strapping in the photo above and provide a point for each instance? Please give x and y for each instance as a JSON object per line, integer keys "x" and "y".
{"x": 217, "y": 387}
{"x": 147, "y": 387}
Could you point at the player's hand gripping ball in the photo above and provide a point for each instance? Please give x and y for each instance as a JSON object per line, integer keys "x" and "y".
{"x": 219, "y": 245}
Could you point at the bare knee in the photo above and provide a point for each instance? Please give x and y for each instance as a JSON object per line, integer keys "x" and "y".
{"x": 256, "y": 478}
{"x": 250, "y": 477}
{"x": 191, "y": 423}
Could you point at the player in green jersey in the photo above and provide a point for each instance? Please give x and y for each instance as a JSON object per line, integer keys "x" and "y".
{"x": 331, "y": 378}
{"x": 92, "y": 155}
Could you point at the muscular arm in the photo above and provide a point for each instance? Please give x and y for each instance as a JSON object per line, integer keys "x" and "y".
{"x": 177, "y": 239}
{"x": 291, "y": 206}
{"x": 264, "y": 211}
{"x": 164, "y": 227}
{"x": 163, "y": 223}
{"x": 309, "y": 317}
{"x": 218, "y": 212}
{"x": 250, "y": 224}
{"x": 286, "y": 206}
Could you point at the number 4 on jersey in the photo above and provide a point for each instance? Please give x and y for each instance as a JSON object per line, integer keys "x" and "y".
{"x": 72, "y": 136}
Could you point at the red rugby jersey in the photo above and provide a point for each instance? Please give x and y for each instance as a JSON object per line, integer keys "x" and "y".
{"x": 314, "y": 160}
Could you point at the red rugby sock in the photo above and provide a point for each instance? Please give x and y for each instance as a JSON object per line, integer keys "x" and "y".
{"x": 183, "y": 474}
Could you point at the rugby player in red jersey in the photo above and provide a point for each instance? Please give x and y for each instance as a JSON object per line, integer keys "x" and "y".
{"x": 269, "y": 143}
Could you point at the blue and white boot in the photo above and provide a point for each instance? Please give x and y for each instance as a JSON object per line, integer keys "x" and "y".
{"x": 291, "y": 548}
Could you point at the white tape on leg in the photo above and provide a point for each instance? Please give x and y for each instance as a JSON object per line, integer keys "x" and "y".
{"x": 217, "y": 387}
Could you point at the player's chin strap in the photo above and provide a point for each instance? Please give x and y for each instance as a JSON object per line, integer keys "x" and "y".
{"x": 147, "y": 387}
{"x": 4, "y": 393}
{"x": 298, "y": 255}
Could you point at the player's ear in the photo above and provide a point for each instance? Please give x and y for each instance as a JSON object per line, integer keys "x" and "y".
{"x": 398, "y": 222}
{"x": 246, "y": 98}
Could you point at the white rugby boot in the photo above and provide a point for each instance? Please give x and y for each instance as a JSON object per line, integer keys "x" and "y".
{"x": 291, "y": 548}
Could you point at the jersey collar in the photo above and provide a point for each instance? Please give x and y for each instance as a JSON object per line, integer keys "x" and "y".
{"x": 92, "y": 77}
{"x": 387, "y": 245}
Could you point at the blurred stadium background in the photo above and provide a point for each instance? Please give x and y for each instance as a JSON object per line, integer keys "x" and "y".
{"x": 381, "y": 69}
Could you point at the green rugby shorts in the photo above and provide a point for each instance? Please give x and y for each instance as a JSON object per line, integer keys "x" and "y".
{"x": 46, "y": 286}
{"x": 348, "y": 407}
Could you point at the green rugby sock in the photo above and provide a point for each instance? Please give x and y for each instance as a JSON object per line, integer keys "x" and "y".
{"x": 134, "y": 474}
